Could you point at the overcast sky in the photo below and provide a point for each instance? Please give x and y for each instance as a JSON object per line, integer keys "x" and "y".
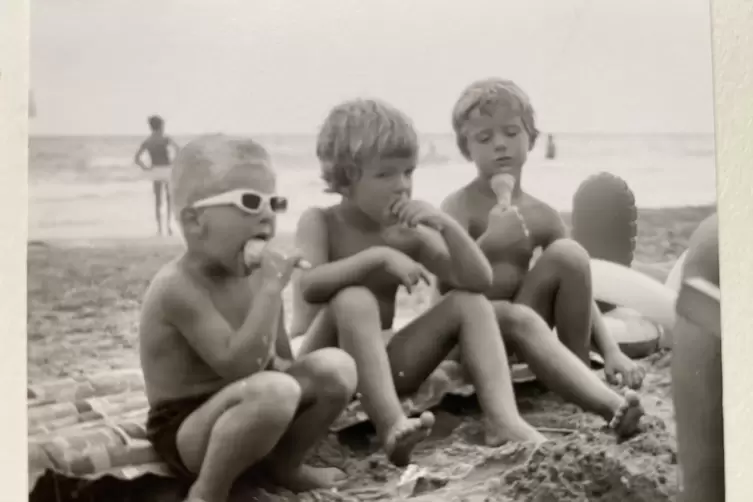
{"x": 101, "y": 66}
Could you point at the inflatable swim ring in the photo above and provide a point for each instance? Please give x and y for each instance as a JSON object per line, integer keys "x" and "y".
{"x": 625, "y": 287}
{"x": 674, "y": 279}
{"x": 604, "y": 220}
{"x": 637, "y": 336}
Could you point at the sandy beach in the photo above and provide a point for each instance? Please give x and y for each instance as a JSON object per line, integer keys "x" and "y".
{"x": 83, "y": 304}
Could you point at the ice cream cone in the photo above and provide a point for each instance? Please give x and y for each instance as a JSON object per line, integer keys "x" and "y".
{"x": 253, "y": 250}
{"x": 502, "y": 185}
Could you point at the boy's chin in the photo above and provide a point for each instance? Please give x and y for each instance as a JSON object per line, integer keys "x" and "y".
{"x": 488, "y": 174}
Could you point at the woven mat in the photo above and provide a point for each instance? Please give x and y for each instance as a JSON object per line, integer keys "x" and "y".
{"x": 94, "y": 427}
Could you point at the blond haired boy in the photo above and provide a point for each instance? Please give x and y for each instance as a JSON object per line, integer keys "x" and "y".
{"x": 376, "y": 239}
{"x": 223, "y": 390}
{"x": 495, "y": 127}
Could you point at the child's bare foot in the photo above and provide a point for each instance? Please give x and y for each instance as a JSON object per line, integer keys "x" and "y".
{"x": 306, "y": 477}
{"x": 521, "y": 433}
{"x": 626, "y": 418}
{"x": 405, "y": 435}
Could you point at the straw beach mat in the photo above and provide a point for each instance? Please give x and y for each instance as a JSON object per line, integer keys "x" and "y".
{"x": 90, "y": 428}
{"x": 94, "y": 427}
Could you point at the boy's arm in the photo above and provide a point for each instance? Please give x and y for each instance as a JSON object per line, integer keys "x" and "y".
{"x": 453, "y": 256}
{"x": 233, "y": 354}
{"x": 282, "y": 346}
{"x": 603, "y": 341}
{"x": 553, "y": 228}
{"x": 324, "y": 279}
{"x": 137, "y": 157}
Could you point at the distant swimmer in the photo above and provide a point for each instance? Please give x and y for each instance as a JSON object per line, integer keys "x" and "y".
{"x": 551, "y": 148}
{"x": 157, "y": 145}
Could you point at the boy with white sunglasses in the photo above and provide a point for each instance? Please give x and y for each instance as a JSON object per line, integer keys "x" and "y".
{"x": 224, "y": 392}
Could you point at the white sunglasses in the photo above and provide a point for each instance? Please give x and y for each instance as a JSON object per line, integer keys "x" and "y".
{"x": 247, "y": 200}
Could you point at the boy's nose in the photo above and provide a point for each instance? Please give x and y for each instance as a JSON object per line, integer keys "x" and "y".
{"x": 404, "y": 183}
{"x": 500, "y": 142}
{"x": 266, "y": 214}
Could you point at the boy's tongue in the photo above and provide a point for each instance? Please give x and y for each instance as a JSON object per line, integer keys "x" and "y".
{"x": 502, "y": 185}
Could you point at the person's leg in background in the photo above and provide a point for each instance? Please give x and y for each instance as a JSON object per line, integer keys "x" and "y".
{"x": 157, "y": 186}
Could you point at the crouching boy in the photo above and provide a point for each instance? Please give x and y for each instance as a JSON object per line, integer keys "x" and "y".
{"x": 224, "y": 392}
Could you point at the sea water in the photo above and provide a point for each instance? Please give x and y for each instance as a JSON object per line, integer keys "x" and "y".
{"x": 89, "y": 187}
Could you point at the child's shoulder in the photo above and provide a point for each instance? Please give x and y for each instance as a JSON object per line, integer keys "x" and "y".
{"x": 321, "y": 218}
{"x": 170, "y": 287}
{"x": 458, "y": 199}
{"x": 315, "y": 217}
{"x": 531, "y": 201}
{"x": 317, "y": 211}
{"x": 542, "y": 219}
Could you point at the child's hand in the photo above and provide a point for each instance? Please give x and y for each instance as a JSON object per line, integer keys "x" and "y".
{"x": 412, "y": 213}
{"x": 277, "y": 262}
{"x": 405, "y": 269}
{"x": 620, "y": 369}
{"x": 506, "y": 228}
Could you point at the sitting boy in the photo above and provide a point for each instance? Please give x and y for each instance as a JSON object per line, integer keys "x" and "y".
{"x": 373, "y": 241}
{"x": 223, "y": 391}
{"x": 495, "y": 129}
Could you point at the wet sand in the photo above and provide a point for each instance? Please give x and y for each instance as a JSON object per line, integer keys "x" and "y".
{"x": 84, "y": 298}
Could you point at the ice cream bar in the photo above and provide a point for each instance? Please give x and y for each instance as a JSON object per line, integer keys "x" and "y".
{"x": 503, "y": 184}
{"x": 252, "y": 254}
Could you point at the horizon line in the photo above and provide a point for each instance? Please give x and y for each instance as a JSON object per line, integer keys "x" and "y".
{"x": 309, "y": 134}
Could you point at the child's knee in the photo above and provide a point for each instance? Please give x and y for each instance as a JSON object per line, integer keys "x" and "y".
{"x": 277, "y": 396}
{"x": 464, "y": 304}
{"x": 519, "y": 322}
{"x": 354, "y": 301}
{"x": 567, "y": 254}
{"x": 333, "y": 373}
{"x": 528, "y": 323}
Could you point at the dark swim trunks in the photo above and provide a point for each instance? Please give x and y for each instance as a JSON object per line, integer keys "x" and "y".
{"x": 162, "y": 424}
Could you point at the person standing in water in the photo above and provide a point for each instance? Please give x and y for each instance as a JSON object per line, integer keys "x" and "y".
{"x": 157, "y": 145}
{"x": 551, "y": 148}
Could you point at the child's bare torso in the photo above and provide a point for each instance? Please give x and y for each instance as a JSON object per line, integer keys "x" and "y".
{"x": 172, "y": 368}
{"x": 347, "y": 238}
{"x": 509, "y": 264}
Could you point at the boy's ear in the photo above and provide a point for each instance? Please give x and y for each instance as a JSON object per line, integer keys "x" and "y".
{"x": 192, "y": 222}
